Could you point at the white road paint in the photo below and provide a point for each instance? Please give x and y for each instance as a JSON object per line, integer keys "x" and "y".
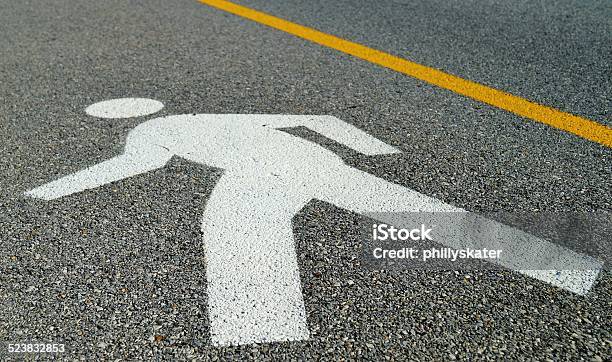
{"x": 124, "y": 108}
{"x": 254, "y": 289}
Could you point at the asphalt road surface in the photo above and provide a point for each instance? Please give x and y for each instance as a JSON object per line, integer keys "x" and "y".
{"x": 119, "y": 272}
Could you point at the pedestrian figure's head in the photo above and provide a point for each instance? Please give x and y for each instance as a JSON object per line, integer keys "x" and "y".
{"x": 124, "y": 108}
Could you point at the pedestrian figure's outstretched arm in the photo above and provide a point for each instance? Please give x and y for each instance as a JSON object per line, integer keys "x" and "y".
{"x": 135, "y": 160}
{"x": 337, "y": 130}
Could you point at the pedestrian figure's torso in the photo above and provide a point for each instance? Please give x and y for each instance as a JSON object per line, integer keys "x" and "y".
{"x": 227, "y": 142}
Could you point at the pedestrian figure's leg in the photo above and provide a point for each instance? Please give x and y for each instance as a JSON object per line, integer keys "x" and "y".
{"x": 364, "y": 193}
{"x": 254, "y": 289}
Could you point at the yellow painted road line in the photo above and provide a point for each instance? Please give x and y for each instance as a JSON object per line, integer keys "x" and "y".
{"x": 565, "y": 121}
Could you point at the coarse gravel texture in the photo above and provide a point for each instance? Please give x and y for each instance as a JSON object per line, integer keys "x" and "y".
{"x": 118, "y": 272}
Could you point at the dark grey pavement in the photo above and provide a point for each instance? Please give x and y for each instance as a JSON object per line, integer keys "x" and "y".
{"x": 557, "y": 54}
{"x": 107, "y": 270}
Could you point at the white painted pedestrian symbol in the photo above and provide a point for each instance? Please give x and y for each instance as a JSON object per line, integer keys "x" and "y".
{"x": 254, "y": 290}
